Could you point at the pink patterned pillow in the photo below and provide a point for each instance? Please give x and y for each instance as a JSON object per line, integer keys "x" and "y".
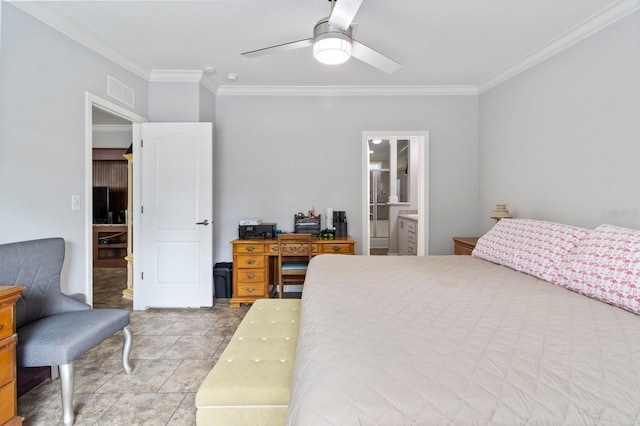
{"x": 534, "y": 247}
{"x": 606, "y": 266}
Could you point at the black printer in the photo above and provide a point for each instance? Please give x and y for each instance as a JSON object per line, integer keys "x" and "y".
{"x": 256, "y": 232}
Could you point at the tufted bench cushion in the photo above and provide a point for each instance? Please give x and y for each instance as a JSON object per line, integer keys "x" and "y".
{"x": 251, "y": 382}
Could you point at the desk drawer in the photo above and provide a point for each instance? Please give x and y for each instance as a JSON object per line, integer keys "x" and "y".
{"x": 6, "y": 321}
{"x": 7, "y": 402}
{"x": 337, "y": 248}
{"x": 248, "y": 248}
{"x": 251, "y": 276}
{"x": 315, "y": 249}
{"x": 7, "y": 360}
{"x": 249, "y": 262}
{"x": 249, "y": 289}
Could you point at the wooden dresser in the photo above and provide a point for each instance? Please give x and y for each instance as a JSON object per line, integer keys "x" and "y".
{"x": 464, "y": 245}
{"x": 254, "y": 265}
{"x": 8, "y": 384}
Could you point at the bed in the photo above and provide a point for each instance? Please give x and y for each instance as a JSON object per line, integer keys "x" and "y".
{"x": 467, "y": 340}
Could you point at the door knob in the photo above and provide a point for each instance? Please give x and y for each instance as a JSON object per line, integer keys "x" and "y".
{"x": 204, "y": 222}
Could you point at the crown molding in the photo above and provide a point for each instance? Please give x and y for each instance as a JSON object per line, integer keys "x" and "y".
{"x": 52, "y": 18}
{"x": 109, "y": 128}
{"x": 184, "y": 76}
{"x": 176, "y": 76}
{"x": 208, "y": 83}
{"x": 346, "y": 90}
{"x": 578, "y": 33}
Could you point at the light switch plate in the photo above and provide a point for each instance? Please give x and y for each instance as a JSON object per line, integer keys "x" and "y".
{"x": 75, "y": 202}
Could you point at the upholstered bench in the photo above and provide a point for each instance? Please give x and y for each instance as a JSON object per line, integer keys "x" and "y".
{"x": 251, "y": 382}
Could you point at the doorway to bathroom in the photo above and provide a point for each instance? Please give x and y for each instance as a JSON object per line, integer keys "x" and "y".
{"x": 378, "y": 204}
{"x": 395, "y": 183}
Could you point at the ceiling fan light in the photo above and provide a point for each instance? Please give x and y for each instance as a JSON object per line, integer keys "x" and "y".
{"x": 332, "y": 50}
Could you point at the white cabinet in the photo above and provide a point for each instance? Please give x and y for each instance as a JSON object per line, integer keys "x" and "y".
{"x": 407, "y": 236}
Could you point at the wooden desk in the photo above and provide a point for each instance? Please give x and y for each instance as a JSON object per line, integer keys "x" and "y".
{"x": 255, "y": 268}
{"x": 8, "y": 383}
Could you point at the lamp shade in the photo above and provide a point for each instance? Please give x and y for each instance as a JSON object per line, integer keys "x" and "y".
{"x": 333, "y": 50}
{"x": 501, "y": 212}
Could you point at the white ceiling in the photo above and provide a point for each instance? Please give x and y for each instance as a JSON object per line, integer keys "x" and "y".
{"x": 438, "y": 42}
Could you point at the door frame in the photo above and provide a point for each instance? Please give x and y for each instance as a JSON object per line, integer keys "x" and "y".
{"x": 423, "y": 185}
{"x": 92, "y": 100}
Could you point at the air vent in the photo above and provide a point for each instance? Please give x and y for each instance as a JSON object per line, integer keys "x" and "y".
{"x": 120, "y": 91}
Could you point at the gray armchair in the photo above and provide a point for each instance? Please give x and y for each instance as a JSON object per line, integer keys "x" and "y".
{"x": 55, "y": 329}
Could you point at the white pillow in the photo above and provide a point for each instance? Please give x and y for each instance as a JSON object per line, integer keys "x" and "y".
{"x": 534, "y": 247}
{"x": 606, "y": 266}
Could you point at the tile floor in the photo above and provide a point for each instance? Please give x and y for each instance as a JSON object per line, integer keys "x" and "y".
{"x": 173, "y": 350}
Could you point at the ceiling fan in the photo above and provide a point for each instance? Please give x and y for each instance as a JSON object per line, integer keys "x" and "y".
{"x": 333, "y": 41}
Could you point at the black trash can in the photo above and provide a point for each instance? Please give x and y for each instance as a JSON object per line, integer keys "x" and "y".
{"x": 222, "y": 278}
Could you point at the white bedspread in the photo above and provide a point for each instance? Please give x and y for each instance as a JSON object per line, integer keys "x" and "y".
{"x": 457, "y": 340}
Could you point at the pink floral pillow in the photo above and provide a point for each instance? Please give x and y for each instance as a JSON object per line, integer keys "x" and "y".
{"x": 606, "y": 266}
{"x": 534, "y": 247}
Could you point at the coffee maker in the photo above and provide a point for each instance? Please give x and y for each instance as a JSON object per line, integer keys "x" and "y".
{"x": 340, "y": 223}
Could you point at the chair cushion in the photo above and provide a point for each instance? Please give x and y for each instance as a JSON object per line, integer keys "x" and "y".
{"x": 287, "y": 266}
{"x": 60, "y": 339}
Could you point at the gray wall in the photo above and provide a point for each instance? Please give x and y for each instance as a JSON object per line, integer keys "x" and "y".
{"x": 276, "y": 156}
{"x": 43, "y": 79}
{"x": 180, "y": 102}
{"x": 112, "y": 139}
{"x": 561, "y": 141}
{"x": 207, "y": 105}
{"x": 174, "y": 101}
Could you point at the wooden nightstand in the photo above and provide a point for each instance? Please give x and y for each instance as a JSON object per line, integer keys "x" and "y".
{"x": 464, "y": 245}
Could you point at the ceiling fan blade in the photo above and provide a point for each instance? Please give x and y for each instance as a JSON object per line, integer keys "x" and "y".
{"x": 373, "y": 58}
{"x": 343, "y": 13}
{"x": 279, "y": 48}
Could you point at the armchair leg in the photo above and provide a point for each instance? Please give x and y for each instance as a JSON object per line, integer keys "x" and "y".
{"x": 66, "y": 388}
{"x": 55, "y": 374}
{"x": 126, "y": 349}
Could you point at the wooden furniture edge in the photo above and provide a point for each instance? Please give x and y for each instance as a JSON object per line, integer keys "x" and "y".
{"x": 464, "y": 245}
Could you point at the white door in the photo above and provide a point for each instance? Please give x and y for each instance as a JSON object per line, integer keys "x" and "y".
{"x": 175, "y": 249}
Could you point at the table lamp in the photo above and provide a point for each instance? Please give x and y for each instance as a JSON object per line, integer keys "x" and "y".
{"x": 501, "y": 212}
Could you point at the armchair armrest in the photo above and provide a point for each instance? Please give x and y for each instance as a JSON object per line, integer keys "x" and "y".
{"x": 78, "y": 296}
{"x": 74, "y": 302}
